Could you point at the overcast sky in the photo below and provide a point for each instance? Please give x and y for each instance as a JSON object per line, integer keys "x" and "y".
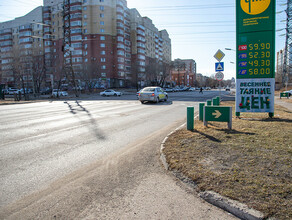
{"x": 197, "y": 28}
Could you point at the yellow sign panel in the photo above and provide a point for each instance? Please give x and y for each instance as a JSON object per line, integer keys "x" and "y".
{"x": 254, "y": 7}
{"x": 219, "y": 55}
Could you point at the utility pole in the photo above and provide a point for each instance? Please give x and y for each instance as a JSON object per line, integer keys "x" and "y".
{"x": 68, "y": 66}
{"x": 288, "y": 45}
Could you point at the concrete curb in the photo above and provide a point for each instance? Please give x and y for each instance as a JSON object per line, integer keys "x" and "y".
{"x": 236, "y": 208}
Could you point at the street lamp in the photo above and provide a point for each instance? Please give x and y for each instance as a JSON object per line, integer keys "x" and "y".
{"x": 229, "y": 49}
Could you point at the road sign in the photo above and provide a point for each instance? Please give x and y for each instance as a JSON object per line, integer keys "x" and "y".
{"x": 219, "y": 66}
{"x": 219, "y": 76}
{"x": 219, "y": 55}
{"x": 218, "y": 113}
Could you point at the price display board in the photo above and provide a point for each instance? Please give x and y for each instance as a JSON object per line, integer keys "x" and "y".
{"x": 255, "y": 55}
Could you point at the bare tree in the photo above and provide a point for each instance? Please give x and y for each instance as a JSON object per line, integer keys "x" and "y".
{"x": 89, "y": 74}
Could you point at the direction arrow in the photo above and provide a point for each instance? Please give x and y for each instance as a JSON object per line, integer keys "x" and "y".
{"x": 217, "y": 114}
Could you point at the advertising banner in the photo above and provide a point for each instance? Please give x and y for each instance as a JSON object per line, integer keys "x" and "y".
{"x": 255, "y": 95}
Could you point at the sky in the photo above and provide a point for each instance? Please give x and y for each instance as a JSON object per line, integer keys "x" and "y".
{"x": 198, "y": 29}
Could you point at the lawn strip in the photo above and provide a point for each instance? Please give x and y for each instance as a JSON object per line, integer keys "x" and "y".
{"x": 251, "y": 163}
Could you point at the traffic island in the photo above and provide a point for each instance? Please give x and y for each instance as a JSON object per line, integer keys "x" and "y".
{"x": 250, "y": 164}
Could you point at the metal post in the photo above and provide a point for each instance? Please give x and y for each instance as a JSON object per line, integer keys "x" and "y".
{"x": 190, "y": 118}
{"x": 204, "y": 117}
{"x": 201, "y": 111}
{"x": 230, "y": 119}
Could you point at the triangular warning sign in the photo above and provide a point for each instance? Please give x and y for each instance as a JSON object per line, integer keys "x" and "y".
{"x": 219, "y": 67}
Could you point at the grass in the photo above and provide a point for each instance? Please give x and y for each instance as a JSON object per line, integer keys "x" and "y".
{"x": 251, "y": 163}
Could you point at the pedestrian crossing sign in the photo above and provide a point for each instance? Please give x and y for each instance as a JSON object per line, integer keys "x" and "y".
{"x": 219, "y": 67}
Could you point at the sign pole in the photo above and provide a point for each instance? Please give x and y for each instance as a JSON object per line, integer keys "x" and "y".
{"x": 220, "y": 90}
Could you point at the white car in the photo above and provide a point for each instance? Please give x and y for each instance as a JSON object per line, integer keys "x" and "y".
{"x": 12, "y": 91}
{"x": 110, "y": 92}
{"x": 289, "y": 92}
{"x": 152, "y": 94}
{"x": 59, "y": 93}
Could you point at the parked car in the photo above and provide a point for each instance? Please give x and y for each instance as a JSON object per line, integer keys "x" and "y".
{"x": 11, "y": 91}
{"x": 26, "y": 91}
{"x": 5, "y": 91}
{"x": 110, "y": 92}
{"x": 168, "y": 89}
{"x": 45, "y": 91}
{"x": 59, "y": 93}
{"x": 227, "y": 89}
{"x": 152, "y": 94}
{"x": 289, "y": 92}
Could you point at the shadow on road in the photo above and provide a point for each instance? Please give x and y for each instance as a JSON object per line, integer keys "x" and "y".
{"x": 94, "y": 127}
{"x": 158, "y": 104}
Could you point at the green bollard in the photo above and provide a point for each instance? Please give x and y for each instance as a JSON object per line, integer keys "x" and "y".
{"x": 215, "y": 102}
{"x": 190, "y": 118}
{"x": 218, "y": 100}
{"x": 201, "y": 111}
{"x": 209, "y": 102}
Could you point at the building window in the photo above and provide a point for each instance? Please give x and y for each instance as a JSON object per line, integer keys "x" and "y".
{"x": 103, "y": 67}
{"x": 86, "y": 60}
{"x": 102, "y": 23}
{"x": 85, "y": 16}
{"x": 102, "y": 45}
{"x": 102, "y": 37}
{"x": 101, "y": 0}
{"x": 102, "y": 60}
{"x": 103, "y": 74}
{"x": 101, "y": 15}
{"x": 102, "y": 52}
{"x": 101, "y": 30}
{"x": 84, "y": 8}
{"x": 101, "y": 8}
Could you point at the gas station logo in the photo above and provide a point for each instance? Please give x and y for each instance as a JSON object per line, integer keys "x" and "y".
{"x": 254, "y": 7}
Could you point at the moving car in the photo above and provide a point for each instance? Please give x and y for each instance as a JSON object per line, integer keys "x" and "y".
{"x": 152, "y": 94}
{"x": 59, "y": 93}
{"x": 110, "y": 92}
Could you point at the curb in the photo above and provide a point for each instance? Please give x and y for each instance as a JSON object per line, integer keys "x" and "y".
{"x": 236, "y": 208}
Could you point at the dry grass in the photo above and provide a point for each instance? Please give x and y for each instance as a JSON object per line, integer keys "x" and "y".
{"x": 251, "y": 163}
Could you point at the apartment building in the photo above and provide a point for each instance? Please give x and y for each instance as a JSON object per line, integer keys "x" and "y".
{"x": 21, "y": 50}
{"x": 184, "y": 72}
{"x": 102, "y": 40}
{"x": 150, "y": 47}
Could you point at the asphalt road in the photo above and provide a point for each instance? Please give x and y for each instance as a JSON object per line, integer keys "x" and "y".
{"x": 96, "y": 158}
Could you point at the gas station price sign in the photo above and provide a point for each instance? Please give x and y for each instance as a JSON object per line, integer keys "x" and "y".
{"x": 255, "y": 55}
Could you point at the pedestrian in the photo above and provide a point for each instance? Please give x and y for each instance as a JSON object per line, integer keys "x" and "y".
{"x": 201, "y": 90}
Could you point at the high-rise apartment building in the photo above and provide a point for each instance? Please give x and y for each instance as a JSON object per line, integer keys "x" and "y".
{"x": 21, "y": 49}
{"x": 105, "y": 42}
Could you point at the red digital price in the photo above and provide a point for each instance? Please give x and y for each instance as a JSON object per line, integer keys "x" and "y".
{"x": 242, "y": 47}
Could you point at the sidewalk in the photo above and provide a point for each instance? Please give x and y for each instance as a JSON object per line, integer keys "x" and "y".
{"x": 287, "y": 103}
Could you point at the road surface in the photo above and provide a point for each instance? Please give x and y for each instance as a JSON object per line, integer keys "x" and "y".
{"x": 94, "y": 159}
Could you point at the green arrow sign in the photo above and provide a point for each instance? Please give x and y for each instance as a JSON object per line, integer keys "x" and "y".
{"x": 218, "y": 113}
